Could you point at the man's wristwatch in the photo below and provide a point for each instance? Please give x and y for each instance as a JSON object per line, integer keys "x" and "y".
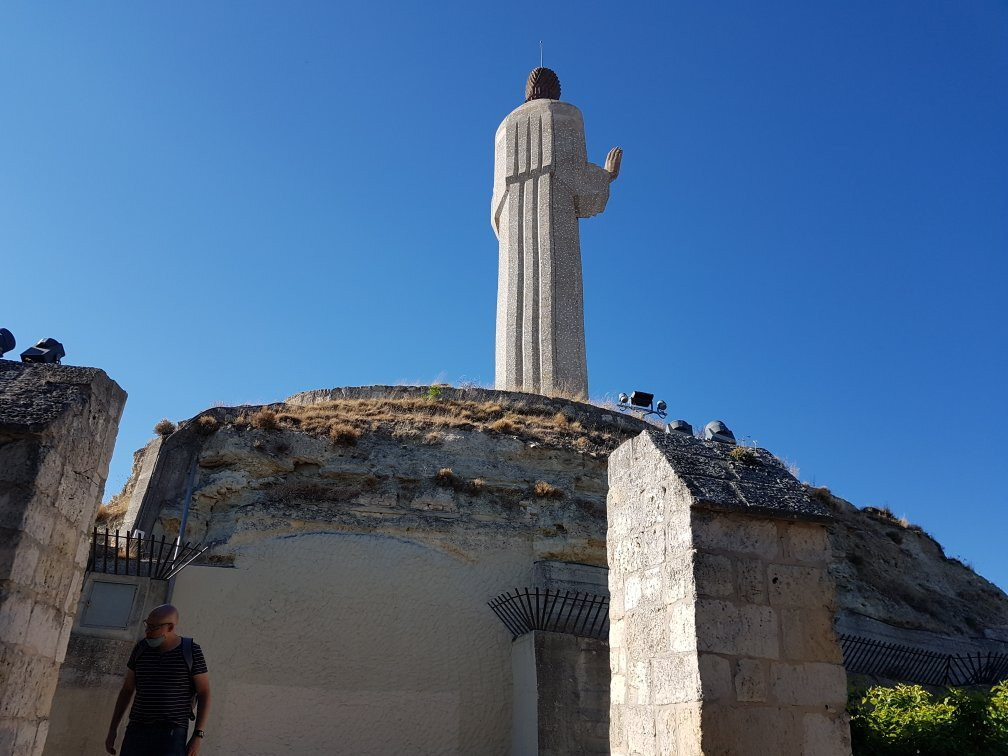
{"x": 198, "y": 734}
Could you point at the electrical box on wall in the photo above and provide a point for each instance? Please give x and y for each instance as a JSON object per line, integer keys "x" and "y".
{"x": 108, "y": 604}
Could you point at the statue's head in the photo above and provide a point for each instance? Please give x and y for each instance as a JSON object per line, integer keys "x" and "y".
{"x": 542, "y": 84}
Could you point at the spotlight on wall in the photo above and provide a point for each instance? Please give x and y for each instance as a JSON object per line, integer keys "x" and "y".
{"x": 679, "y": 426}
{"x": 642, "y": 402}
{"x": 715, "y": 430}
{"x": 7, "y": 341}
{"x": 641, "y": 399}
{"x": 47, "y": 351}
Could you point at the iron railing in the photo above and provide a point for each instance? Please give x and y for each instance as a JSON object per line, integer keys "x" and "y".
{"x": 571, "y": 612}
{"x": 894, "y": 661}
{"x": 144, "y": 556}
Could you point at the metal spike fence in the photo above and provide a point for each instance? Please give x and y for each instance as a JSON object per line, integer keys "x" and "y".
{"x": 915, "y": 665}
{"x": 144, "y": 556}
{"x": 570, "y": 612}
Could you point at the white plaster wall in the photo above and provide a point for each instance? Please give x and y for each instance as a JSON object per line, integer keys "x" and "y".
{"x": 353, "y": 644}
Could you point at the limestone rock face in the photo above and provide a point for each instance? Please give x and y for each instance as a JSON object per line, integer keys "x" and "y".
{"x": 887, "y": 571}
{"x": 454, "y": 493}
{"x": 469, "y": 467}
{"x": 253, "y": 482}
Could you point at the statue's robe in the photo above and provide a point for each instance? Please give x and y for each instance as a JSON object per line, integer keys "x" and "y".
{"x": 543, "y": 183}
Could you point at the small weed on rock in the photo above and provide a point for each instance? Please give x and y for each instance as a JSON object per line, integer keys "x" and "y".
{"x": 165, "y": 427}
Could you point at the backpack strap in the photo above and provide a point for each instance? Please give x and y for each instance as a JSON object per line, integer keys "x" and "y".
{"x": 187, "y": 653}
{"x": 138, "y": 650}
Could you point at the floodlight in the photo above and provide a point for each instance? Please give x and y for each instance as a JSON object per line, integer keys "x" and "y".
{"x": 47, "y": 351}
{"x": 642, "y": 402}
{"x": 679, "y": 426}
{"x": 7, "y": 341}
{"x": 641, "y": 399}
{"x": 715, "y": 430}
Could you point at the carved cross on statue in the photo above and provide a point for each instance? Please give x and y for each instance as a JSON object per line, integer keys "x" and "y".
{"x": 543, "y": 183}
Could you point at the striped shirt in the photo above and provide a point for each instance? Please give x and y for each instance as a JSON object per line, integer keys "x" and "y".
{"x": 164, "y": 687}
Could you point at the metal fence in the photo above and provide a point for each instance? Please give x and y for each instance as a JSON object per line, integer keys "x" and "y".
{"x": 893, "y": 661}
{"x": 144, "y": 556}
{"x": 575, "y": 613}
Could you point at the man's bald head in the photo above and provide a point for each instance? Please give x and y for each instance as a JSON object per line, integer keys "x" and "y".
{"x": 160, "y": 627}
{"x": 163, "y": 613}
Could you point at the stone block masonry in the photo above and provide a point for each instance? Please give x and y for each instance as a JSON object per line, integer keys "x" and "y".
{"x": 57, "y": 429}
{"x": 561, "y": 695}
{"x": 721, "y": 608}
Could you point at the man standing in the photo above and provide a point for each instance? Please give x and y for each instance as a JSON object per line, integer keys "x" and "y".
{"x": 165, "y": 671}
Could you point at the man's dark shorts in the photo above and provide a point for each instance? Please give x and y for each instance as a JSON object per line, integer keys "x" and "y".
{"x": 154, "y": 740}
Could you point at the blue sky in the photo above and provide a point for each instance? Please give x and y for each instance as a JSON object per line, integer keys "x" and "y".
{"x": 228, "y": 203}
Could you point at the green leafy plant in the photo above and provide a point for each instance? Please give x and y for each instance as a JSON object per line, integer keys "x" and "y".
{"x": 908, "y": 719}
{"x": 434, "y": 392}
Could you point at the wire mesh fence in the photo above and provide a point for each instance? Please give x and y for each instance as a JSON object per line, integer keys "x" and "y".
{"x": 894, "y": 661}
{"x": 574, "y": 613}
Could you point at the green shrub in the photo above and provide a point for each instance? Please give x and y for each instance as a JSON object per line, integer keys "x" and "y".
{"x": 907, "y": 719}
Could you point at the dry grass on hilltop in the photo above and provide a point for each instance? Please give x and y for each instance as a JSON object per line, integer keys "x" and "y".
{"x": 113, "y": 509}
{"x": 345, "y": 420}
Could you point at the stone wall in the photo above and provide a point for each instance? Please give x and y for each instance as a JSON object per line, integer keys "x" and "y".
{"x": 572, "y": 676}
{"x": 57, "y": 429}
{"x": 721, "y": 606}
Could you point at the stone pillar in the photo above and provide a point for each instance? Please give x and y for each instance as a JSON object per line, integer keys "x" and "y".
{"x": 721, "y": 610}
{"x": 57, "y": 429}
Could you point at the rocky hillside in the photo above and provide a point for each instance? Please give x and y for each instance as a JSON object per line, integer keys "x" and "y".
{"x": 894, "y": 572}
{"x": 446, "y": 467}
{"x": 453, "y": 468}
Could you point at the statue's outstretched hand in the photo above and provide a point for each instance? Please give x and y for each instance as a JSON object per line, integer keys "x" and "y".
{"x": 612, "y": 162}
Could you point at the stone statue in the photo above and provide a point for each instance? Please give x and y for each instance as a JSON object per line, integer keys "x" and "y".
{"x": 543, "y": 183}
